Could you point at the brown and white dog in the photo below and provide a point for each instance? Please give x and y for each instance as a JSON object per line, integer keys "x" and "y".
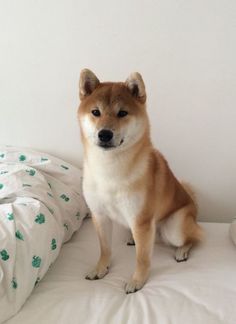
{"x": 126, "y": 179}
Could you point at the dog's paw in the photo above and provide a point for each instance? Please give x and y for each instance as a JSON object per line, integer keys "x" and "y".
{"x": 133, "y": 286}
{"x": 181, "y": 255}
{"x": 131, "y": 241}
{"x": 97, "y": 274}
{"x": 182, "y": 252}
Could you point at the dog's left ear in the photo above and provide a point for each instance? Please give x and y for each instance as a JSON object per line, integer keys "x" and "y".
{"x": 136, "y": 86}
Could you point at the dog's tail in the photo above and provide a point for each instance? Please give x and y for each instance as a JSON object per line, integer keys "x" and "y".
{"x": 189, "y": 189}
{"x": 197, "y": 234}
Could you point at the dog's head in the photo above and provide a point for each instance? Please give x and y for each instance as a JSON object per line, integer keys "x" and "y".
{"x": 112, "y": 115}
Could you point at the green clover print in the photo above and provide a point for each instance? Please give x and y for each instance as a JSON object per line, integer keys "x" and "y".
{"x": 31, "y": 172}
{"x": 4, "y": 255}
{"x": 19, "y": 235}
{"x": 40, "y": 219}
{"x": 36, "y": 261}
{"x": 53, "y": 244}
{"x": 22, "y": 158}
{"x": 14, "y": 283}
{"x": 64, "y": 197}
{"x": 10, "y": 216}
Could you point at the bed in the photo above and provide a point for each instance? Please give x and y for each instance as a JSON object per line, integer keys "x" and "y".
{"x": 201, "y": 290}
{"x": 43, "y": 264}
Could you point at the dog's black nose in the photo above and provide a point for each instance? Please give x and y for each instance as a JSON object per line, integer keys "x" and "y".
{"x": 105, "y": 135}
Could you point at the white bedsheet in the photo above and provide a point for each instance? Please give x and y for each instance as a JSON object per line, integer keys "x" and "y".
{"x": 201, "y": 290}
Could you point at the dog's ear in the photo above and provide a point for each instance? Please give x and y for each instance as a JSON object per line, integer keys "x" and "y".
{"x": 136, "y": 86}
{"x": 87, "y": 83}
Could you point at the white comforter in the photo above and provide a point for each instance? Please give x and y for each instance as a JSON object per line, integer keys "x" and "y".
{"x": 40, "y": 208}
{"x": 199, "y": 291}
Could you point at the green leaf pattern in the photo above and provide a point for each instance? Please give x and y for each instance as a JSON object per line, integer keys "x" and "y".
{"x": 64, "y": 197}
{"x": 10, "y": 216}
{"x": 36, "y": 261}
{"x": 4, "y": 255}
{"x": 14, "y": 283}
{"x": 53, "y": 244}
{"x": 40, "y": 218}
{"x": 19, "y": 235}
{"x": 31, "y": 172}
{"x": 22, "y": 158}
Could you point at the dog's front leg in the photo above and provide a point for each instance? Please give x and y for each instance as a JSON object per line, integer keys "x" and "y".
{"x": 144, "y": 234}
{"x": 103, "y": 226}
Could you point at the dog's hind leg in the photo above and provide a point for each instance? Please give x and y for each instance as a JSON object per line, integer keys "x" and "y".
{"x": 130, "y": 239}
{"x": 181, "y": 231}
{"x": 182, "y": 252}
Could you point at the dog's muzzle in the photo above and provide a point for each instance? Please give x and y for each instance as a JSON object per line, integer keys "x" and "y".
{"x": 105, "y": 137}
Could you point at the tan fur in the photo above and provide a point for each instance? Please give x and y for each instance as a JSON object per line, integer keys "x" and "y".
{"x": 142, "y": 172}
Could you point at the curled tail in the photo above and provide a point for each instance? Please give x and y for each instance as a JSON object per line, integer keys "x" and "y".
{"x": 197, "y": 231}
{"x": 189, "y": 189}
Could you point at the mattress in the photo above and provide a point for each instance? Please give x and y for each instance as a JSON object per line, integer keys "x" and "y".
{"x": 201, "y": 290}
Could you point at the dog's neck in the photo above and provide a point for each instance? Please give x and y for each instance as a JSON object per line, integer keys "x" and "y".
{"x": 122, "y": 162}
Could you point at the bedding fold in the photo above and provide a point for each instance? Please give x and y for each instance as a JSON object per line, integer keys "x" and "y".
{"x": 41, "y": 206}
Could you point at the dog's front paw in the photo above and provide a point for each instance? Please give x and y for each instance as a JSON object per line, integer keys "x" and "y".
{"x": 97, "y": 274}
{"x": 133, "y": 286}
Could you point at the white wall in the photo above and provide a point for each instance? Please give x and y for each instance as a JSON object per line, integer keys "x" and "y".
{"x": 186, "y": 51}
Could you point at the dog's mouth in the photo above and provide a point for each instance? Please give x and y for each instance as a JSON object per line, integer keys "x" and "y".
{"x": 109, "y": 145}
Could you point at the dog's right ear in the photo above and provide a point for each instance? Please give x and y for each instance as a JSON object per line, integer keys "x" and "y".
{"x": 87, "y": 83}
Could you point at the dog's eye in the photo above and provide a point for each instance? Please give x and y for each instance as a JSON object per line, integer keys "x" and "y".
{"x": 96, "y": 112}
{"x": 122, "y": 113}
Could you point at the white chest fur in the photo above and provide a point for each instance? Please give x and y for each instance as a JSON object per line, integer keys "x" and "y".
{"x": 108, "y": 188}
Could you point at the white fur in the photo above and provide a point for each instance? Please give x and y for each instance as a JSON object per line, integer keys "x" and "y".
{"x": 88, "y": 127}
{"x": 171, "y": 229}
{"x": 106, "y": 184}
{"x": 106, "y": 187}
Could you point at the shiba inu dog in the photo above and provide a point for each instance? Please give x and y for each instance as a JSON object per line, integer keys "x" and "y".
{"x": 126, "y": 179}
